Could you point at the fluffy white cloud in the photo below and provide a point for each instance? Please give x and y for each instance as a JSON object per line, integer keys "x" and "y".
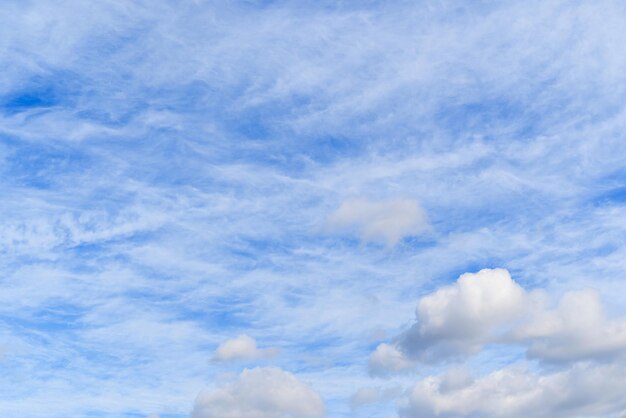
{"x": 241, "y": 348}
{"x": 577, "y": 329}
{"x": 460, "y": 318}
{"x": 387, "y": 221}
{"x": 490, "y": 307}
{"x": 260, "y": 393}
{"x": 582, "y": 390}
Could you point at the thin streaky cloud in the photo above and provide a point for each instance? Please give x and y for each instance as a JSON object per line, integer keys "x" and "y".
{"x": 176, "y": 175}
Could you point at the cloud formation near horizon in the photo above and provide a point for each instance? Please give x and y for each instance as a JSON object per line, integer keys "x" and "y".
{"x": 260, "y": 393}
{"x": 490, "y": 308}
{"x": 514, "y": 392}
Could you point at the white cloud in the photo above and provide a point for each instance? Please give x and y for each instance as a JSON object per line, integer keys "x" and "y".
{"x": 578, "y": 328}
{"x": 387, "y": 221}
{"x": 490, "y": 307}
{"x": 459, "y": 318}
{"x": 241, "y": 348}
{"x": 583, "y": 390}
{"x": 260, "y": 393}
{"x": 388, "y": 359}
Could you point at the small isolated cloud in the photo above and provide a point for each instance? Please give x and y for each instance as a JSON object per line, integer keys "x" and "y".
{"x": 514, "y": 392}
{"x": 490, "y": 307}
{"x": 242, "y": 348}
{"x": 260, "y": 393}
{"x": 385, "y": 221}
{"x": 388, "y": 359}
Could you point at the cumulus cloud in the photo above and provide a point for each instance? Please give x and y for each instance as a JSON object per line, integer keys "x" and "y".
{"x": 383, "y": 221}
{"x": 460, "y": 318}
{"x": 577, "y": 329}
{"x": 371, "y": 395}
{"x": 582, "y": 390}
{"x": 490, "y": 307}
{"x": 260, "y": 393}
{"x": 241, "y": 348}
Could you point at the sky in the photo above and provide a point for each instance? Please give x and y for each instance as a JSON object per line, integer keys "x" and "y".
{"x": 289, "y": 209}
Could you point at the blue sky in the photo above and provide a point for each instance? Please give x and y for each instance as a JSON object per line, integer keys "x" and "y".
{"x": 294, "y": 209}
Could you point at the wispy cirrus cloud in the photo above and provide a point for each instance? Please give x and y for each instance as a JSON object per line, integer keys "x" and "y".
{"x": 165, "y": 170}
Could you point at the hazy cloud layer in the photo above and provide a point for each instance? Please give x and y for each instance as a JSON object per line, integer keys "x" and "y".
{"x": 371, "y": 395}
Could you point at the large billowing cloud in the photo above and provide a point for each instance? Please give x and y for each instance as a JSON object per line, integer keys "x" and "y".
{"x": 260, "y": 393}
{"x": 459, "y": 318}
{"x": 241, "y": 348}
{"x": 515, "y": 392}
{"x": 489, "y": 307}
{"x": 387, "y": 220}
